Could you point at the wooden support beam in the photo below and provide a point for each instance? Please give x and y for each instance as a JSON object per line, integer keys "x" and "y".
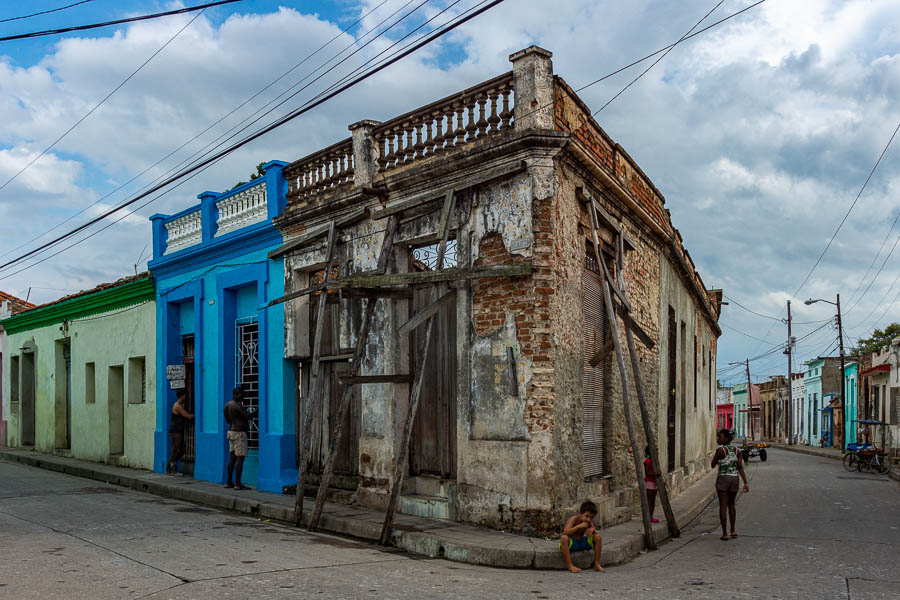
{"x": 366, "y": 379}
{"x": 587, "y": 198}
{"x": 319, "y": 232}
{"x": 496, "y": 173}
{"x": 427, "y": 312}
{"x": 646, "y": 421}
{"x": 602, "y": 353}
{"x": 626, "y": 404}
{"x": 400, "y": 461}
{"x": 304, "y": 292}
{"x": 385, "y": 262}
{"x": 315, "y": 385}
{"x": 629, "y": 424}
{"x": 632, "y": 326}
{"x": 390, "y": 293}
{"x": 439, "y": 275}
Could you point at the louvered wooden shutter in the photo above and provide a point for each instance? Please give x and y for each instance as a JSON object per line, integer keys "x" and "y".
{"x": 594, "y": 336}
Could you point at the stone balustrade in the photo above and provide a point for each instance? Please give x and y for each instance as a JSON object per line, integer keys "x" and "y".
{"x": 458, "y": 120}
{"x": 324, "y": 171}
{"x": 184, "y": 231}
{"x": 246, "y": 207}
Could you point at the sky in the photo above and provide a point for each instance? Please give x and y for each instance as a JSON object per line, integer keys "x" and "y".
{"x": 759, "y": 132}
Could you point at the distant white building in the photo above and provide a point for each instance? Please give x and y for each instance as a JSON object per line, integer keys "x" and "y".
{"x": 798, "y": 405}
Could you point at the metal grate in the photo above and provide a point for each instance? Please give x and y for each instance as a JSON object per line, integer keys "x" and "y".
{"x": 594, "y": 337}
{"x": 427, "y": 256}
{"x": 247, "y": 372}
{"x": 187, "y": 359}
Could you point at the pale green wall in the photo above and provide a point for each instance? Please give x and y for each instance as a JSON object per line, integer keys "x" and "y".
{"x": 106, "y": 340}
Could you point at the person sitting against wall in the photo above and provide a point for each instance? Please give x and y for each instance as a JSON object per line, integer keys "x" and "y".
{"x": 180, "y": 417}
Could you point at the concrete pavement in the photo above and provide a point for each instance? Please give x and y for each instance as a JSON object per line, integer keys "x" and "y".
{"x": 429, "y": 537}
{"x": 808, "y": 529}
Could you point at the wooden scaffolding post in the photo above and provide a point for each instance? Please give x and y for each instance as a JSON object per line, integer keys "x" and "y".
{"x": 403, "y": 450}
{"x": 611, "y": 315}
{"x": 662, "y": 486}
{"x": 315, "y": 381}
{"x": 385, "y": 261}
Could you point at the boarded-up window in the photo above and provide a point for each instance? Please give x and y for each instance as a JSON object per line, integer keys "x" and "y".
{"x": 594, "y": 338}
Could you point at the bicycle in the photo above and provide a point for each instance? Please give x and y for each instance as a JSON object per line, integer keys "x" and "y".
{"x": 865, "y": 456}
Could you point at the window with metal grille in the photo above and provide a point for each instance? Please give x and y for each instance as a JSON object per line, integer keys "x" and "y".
{"x": 247, "y": 371}
{"x": 593, "y": 391}
{"x": 426, "y": 256}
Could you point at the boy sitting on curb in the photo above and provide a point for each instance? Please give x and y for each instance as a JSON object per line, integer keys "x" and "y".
{"x": 580, "y": 534}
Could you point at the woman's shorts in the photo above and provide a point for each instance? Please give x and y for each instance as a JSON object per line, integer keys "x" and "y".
{"x": 727, "y": 483}
{"x": 650, "y": 485}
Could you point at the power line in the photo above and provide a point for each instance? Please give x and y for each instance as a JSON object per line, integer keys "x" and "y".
{"x": 34, "y": 34}
{"x": 99, "y": 104}
{"x": 875, "y": 258}
{"x": 450, "y": 26}
{"x": 880, "y": 269}
{"x": 222, "y": 118}
{"x": 733, "y": 301}
{"x": 654, "y": 63}
{"x": 849, "y": 210}
{"x": 152, "y": 188}
{"x": 844, "y": 220}
{"x": 44, "y": 12}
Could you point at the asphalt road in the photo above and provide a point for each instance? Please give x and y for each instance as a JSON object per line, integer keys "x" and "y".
{"x": 808, "y": 529}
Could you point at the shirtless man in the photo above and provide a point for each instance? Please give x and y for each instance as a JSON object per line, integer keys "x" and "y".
{"x": 238, "y": 420}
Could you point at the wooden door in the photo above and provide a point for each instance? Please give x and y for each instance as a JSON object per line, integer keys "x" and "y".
{"x": 433, "y": 444}
{"x": 346, "y": 460}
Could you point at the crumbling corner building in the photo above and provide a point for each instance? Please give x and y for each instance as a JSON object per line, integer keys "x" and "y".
{"x": 514, "y": 427}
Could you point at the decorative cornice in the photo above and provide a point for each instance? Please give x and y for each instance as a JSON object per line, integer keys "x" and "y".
{"x": 111, "y": 298}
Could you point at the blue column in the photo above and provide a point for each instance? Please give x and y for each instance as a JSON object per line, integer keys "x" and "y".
{"x": 276, "y": 187}
{"x": 208, "y": 214}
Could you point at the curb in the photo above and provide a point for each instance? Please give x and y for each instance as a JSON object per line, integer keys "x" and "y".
{"x": 459, "y": 542}
{"x": 893, "y": 474}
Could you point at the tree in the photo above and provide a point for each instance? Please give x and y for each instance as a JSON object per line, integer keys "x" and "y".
{"x": 879, "y": 341}
{"x": 259, "y": 173}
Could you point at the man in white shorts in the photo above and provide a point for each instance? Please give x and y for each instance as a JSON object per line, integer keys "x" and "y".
{"x": 238, "y": 420}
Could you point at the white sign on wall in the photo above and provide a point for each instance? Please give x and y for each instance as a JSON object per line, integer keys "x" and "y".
{"x": 175, "y": 372}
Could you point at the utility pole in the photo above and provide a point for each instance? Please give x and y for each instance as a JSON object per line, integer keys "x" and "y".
{"x": 790, "y": 382}
{"x": 750, "y": 402}
{"x": 843, "y": 386}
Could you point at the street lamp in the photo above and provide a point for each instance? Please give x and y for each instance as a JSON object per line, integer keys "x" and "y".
{"x": 841, "y": 345}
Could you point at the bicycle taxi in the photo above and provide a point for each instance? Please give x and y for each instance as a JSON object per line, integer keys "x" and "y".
{"x": 865, "y": 455}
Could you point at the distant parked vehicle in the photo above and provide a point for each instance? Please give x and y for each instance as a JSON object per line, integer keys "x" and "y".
{"x": 866, "y": 455}
{"x": 752, "y": 449}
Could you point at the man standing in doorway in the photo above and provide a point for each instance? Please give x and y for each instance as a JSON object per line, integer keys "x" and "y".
{"x": 238, "y": 420}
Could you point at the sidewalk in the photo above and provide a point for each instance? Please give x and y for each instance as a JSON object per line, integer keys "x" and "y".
{"x": 833, "y": 453}
{"x": 430, "y": 537}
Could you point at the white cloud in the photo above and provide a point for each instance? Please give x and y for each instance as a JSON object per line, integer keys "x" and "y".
{"x": 758, "y": 132}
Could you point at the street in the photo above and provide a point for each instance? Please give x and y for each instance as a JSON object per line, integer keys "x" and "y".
{"x": 808, "y": 529}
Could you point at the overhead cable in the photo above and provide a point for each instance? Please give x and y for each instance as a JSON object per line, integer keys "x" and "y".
{"x": 179, "y": 11}
{"x": 45, "y": 12}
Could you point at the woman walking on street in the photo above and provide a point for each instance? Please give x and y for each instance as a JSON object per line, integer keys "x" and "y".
{"x": 731, "y": 465}
{"x": 650, "y": 483}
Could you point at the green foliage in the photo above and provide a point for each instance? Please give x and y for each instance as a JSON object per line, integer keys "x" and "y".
{"x": 259, "y": 173}
{"x": 879, "y": 341}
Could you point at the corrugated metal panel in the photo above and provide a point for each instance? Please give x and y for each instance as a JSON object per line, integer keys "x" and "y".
{"x": 594, "y": 336}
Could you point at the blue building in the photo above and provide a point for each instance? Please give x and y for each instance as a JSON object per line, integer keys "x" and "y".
{"x": 214, "y": 279}
{"x": 851, "y": 403}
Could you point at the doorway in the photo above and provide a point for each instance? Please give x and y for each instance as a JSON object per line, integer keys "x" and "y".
{"x": 63, "y": 396}
{"x": 116, "y": 410}
{"x": 433, "y": 445}
{"x": 27, "y": 384}
{"x": 671, "y": 407}
{"x": 190, "y": 437}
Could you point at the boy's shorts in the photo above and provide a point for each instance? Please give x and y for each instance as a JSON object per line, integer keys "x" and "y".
{"x": 580, "y": 544}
